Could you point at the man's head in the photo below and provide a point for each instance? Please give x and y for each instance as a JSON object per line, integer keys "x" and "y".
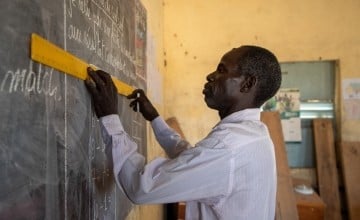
{"x": 245, "y": 78}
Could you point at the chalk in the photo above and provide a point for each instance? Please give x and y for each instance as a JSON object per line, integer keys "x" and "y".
{"x": 137, "y": 103}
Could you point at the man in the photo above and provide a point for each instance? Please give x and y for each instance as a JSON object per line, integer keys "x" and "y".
{"x": 230, "y": 174}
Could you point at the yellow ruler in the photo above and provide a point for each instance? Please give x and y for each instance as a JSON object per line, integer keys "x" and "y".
{"x": 51, "y": 55}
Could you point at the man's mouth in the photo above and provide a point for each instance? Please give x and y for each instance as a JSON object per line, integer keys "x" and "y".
{"x": 206, "y": 90}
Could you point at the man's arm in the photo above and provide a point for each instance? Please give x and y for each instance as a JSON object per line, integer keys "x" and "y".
{"x": 189, "y": 176}
{"x": 104, "y": 96}
{"x": 162, "y": 180}
{"x": 169, "y": 140}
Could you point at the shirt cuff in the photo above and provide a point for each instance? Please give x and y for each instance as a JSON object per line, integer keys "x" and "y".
{"x": 158, "y": 124}
{"x": 112, "y": 124}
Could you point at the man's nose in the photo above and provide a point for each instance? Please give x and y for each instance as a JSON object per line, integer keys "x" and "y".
{"x": 210, "y": 77}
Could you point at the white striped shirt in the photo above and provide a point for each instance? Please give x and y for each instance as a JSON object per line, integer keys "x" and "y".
{"x": 229, "y": 175}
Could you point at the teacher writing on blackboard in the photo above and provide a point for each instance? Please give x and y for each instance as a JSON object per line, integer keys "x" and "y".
{"x": 231, "y": 173}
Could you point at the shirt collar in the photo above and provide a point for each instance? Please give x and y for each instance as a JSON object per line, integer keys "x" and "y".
{"x": 250, "y": 114}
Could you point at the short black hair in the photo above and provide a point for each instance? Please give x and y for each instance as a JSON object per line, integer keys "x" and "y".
{"x": 262, "y": 64}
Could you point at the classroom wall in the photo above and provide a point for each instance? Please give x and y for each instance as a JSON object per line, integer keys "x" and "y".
{"x": 155, "y": 71}
{"x": 197, "y": 33}
{"x": 186, "y": 40}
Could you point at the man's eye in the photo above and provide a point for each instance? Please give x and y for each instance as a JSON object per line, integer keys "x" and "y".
{"x": 221, "y": 70}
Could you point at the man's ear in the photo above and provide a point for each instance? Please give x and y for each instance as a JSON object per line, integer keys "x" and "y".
{"x": 248, "y": 83}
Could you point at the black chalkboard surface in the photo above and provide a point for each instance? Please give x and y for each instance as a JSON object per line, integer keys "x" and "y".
{"x": 52, "y": 159}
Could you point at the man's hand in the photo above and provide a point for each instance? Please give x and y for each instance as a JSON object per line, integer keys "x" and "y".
{"x": 103, "y": 92}
{"x": 141, "y": 101}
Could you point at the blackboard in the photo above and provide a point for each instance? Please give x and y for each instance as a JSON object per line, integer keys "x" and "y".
{"x": 52, "y": 158}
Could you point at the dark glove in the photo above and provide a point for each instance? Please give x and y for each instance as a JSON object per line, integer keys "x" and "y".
{"x": 103, "y": 92}
{"x": 146, "y": 108}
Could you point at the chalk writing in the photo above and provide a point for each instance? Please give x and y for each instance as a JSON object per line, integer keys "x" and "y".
{"x": 52, "y": 156}
{"x": 109, "y": 9}
{"x": 105, "y": 34}
{"x": 140, "y": 40}
{"x": 82, "y": 5}
{"x": 28, "y": 81}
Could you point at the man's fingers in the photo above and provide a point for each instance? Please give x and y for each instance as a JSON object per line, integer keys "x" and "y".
{"x": 135, "y": 93}
{"x": 95, "y": 77}
{"x": 134, "y": 105}
{"x": 105, "y": 77}
{"x": 90, "y": 85}
{"x": 104, "y": 80}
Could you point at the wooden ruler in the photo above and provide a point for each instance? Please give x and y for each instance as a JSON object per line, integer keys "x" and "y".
{"x": 53, "y": 56}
